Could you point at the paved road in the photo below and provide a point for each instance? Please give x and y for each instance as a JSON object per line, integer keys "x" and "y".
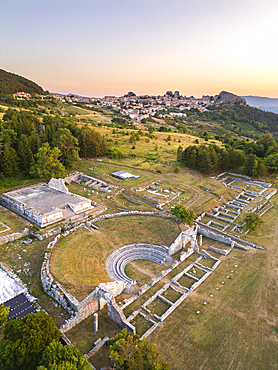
{"x": 197, "y": 195}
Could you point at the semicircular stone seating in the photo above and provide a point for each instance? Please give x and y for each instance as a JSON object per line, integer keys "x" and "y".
{"x": 116, "y": 262}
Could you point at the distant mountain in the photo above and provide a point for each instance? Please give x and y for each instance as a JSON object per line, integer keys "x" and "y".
{"x": 11, "y": 83}
{"x": 263, "y": 103}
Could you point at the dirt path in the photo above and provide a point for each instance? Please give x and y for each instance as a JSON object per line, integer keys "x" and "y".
{"x": 146, "y": 271}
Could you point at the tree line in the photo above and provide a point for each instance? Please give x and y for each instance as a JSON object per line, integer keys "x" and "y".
{"x": 11, "y": 83}
{"x": 255, "y": 159}
{"x": 46, "y": 147}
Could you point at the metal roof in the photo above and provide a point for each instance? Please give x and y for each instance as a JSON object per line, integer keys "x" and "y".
{"x": 124, "y": 175}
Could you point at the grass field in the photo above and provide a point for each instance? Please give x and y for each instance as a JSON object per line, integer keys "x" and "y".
{"x": 77, "y": 110}
{"x": 12, "y": 220}
{"x": 151, "y": 154}
{"x": 78, "y": 261}
{"x": 238, "y": 328}
{"x": 16, "y": 255}
{"x": 187, "y": 180}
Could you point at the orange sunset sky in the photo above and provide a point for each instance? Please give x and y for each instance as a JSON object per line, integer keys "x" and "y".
{"x": 97, "y": 48}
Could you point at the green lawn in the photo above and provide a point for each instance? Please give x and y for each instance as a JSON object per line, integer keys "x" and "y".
{"x": 238, "y": 327}
{"x": 15, "y": 255}
{"x": 12, "y": 220}
{"x": 78, "y": 261}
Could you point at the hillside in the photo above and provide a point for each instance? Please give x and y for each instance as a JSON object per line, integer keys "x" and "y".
{"x": 11, "y": 83}
{"x": 263, "y": 103}
{"x": 241, "y": 120}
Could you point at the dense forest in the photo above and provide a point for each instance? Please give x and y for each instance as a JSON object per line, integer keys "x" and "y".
{"x": 255, "y": 159}
{"x": 11, "y": 83}
{"x": 44, "y": 148}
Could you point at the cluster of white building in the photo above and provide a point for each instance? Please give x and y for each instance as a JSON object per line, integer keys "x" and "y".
{"x": 138, "y": 107}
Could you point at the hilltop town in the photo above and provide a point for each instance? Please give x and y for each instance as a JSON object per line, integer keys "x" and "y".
{"x": 143, "y": 106}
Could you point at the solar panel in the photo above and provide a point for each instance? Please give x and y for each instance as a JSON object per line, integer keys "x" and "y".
{"x": 27, "y": 312}
{"x": 20, "y": 306}
{"x": 13, "y": 302}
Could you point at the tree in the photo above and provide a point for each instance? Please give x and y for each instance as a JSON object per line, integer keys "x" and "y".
{"x": 4, "y": 312}
{"x": 25, "y": 154}
{"x": 25, "y": 340}
{"x": 68, "y": 145}
{"x": 236, "y": 158}
{"x": 253, "y": 166}
{"x": 92, "y": 143}
{"x": 48, "y": 164}
{"x": 9, "y": 161}
{"x": 179, "y": 153}
{"x": 132, "y": 138}
{"x": 204, "y": 161}
{"x": 183, "y": 214}
{"x": 59, "y": 357}
{"x": 253, "y": 221}
{"x": 192, "y": 158}
{"x": 114, "y": 153}
{"x": 225, "y": 160}
{"x": 271, "y": 162}
{"x": 130, "y": 353}
{"x": 268, "y": 143}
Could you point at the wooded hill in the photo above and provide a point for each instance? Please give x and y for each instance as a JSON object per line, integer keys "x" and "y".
{"x": 241, "y": 120}
{"x": 11, "y": 83}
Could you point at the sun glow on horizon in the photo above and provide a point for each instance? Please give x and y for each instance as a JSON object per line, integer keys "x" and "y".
{"x": 98, "y": 48}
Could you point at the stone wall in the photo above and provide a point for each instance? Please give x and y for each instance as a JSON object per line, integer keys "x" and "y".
{"x": 79, "y": 310}
{"x": 130, "y": 213}
{"x": 20, "y": 208}
{"x": 89, "y": 181}
{"x": 154, "y": 280}
{"x": 227, "y": 239}
{"x": 243, "y": 178}
{"x": 271, "y": 194}
{"x": 173, "y": 284}
{"x": 81, "y": 315}
{"x": 97, "y": 346}
{"x": 77, "y": 208}
{"x": 58, "y": 184}
{"x": 218, "y": 250}
{"x": 116, "y": 314}
{"x": 14, "y": 236}
{"x": 181, "y": 240}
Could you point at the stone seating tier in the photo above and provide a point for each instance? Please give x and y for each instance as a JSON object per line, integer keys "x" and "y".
{"x": 119, "y": 264}
{"x": 116, "y": 262}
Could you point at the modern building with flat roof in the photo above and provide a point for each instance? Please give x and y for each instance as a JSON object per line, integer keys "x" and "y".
{"x": 124, "y": 175}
